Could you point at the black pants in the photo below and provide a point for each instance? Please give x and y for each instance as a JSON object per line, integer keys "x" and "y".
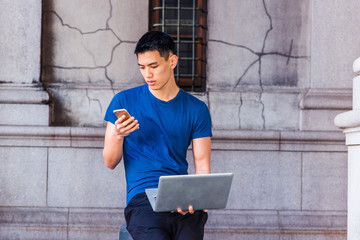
{"x": 145, "y": 224}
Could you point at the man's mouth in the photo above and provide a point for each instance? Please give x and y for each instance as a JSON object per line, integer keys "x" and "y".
{"x": 151, "y": 82}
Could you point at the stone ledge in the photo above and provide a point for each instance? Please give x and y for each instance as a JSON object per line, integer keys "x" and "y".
{"x": 23, "y": 94}
{"x": 226, "y": 220}
{"x": 350, "y": 119}
{"x": 222, "y": 139}
{"x": 327, "y": 99}
{"x": 277, "y": 220}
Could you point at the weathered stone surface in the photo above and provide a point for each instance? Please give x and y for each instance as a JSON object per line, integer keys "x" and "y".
{"x": 249, "y": 28}
{"x": 20, "y": 41}
{"x": 75, "y": 77}
{"x": 129, "y": 19}
{"x": 81, "y": 107}
{"x": 227, "y": 64}
{"x": 259, "y": 179}
{"x": 24, "y": 114}
{"x": 334, "y": 33}
{"x": 78, "y": 177}
{"x": 324, "y": 181}
{"x": 63, "y": 46}
{"x": 281, "y": 110}
{"x": 100, "y": 45}
{"x": 73, "y": 12}
{"x": 277, "y": 70}
{"x": 318, "y": 120}
{"x": 291, "y": 32}
{"x": 224, "y": 110}
{"x": 123, "y": 68}
{"x": 23, "y": 176}
{"x": 252, "y": 111}
{"x": 33, "y": 223}
{"x": 270, "y": 110}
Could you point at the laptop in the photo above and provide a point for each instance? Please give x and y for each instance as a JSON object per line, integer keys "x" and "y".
{"x": 202, "y": 191}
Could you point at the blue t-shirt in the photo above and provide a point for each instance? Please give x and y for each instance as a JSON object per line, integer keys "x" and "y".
{"x": 159, "y": 146}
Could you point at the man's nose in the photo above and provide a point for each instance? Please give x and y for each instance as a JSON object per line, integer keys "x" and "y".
{"x": 148, "y": 72}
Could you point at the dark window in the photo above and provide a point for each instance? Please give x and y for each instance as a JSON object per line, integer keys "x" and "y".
{"x": 185, "y": 21}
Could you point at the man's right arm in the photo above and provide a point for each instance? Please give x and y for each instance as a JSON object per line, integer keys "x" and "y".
{"x": 114, "y": 140}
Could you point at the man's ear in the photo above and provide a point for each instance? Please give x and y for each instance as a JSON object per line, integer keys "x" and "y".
{"x": 173, "y": 61}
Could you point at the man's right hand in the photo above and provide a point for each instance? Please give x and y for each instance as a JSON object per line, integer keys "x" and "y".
{"x": 123, "y": 129}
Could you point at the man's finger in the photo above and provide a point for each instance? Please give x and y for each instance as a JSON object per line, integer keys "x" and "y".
{"x": 191, "y": 209}
{"x": 179, "y": 210}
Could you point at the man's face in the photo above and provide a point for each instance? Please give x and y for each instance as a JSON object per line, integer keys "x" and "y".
{"x": 156, "y": 71}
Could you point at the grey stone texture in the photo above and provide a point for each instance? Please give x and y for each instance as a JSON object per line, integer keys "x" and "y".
{"x": 331, "y": 60}
{"x": 23, "y": 177}
{"x": 331, "y": 168}
{"x": 20, "y": 41}
{"x": 69, "y": 193}
{"x": 78, "y": 176}
{"x": 85, "y": 56}
{"x": 277, "y": 75}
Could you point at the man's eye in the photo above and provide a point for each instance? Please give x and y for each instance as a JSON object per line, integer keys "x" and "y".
{"x": 154, "y": 66}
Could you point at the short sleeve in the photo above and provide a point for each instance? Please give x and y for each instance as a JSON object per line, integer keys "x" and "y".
{"x": 202, "y": 126}
{"x": 114, "y": 104}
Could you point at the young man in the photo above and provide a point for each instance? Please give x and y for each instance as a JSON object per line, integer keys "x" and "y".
{"x": 155, "y": 140}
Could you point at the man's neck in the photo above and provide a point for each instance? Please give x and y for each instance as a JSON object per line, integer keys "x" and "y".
{"x": 167, "y": 92}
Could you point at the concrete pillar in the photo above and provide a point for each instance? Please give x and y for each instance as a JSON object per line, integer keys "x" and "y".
{"x": 350, "y": 122}
{"x": 23, "y": 100}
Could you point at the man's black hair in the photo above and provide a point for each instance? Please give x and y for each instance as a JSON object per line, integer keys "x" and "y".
{"x": 156, "y": 40}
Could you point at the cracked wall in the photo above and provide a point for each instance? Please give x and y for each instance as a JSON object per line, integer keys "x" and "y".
{"x": 258, "y": 59}
{"x": 87, "y": 55}
{"x": 260, "y": 53}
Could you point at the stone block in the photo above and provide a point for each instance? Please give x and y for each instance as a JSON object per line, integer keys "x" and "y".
{"x": 248, "y": 30}
{"x": 33, "y": 223}
{"x": 35, "y": 136}
{"x": 81, "y": 107}
{"x": 129, "y": 19}
{"x": 252, "y": 111}
{"x": 23, "y": 176}
{"x": 281, "y": 70}
{"x": 24, "y": 114}
{"x": 324, "y": 181}
{"x": 78, "y": 177}
{"x": 326, "y": 235}
{"x": 255, "y": 111}
{"x": 233, "y": 72}
{"x": 291, "y": 28}
{"x": 75, "y": 76}
{"x": 281, "y": 110}
{"x": 240, "y": 220}
{"x": 128, "y": 74}
{"x": 277, "y": 54}
{"x": 20, "y": 41}
{"x": 225, "y": 110}
{"x": 257, "y": 235}
{"x": 73, "y": 12}
{"x": 95, "y": 223}
{"x": 334, "y": 32}
{"x": 318, "y": 120}
{"x": 262, "y": 180}
{"x": 312, "y": 220}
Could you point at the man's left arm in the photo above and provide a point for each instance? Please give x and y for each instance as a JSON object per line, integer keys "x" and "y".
{"x": 201, "y": 148}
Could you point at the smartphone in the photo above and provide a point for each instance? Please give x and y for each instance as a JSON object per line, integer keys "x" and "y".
{"x": 121, "y": 112}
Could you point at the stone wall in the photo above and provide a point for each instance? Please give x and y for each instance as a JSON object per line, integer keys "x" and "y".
{"x": 288, "y": 185}
{"x": 277, "y": 74}
{"x": 88, "y": 56}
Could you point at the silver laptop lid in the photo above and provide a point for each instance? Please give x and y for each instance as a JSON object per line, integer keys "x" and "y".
{"x": 202, "y": 191}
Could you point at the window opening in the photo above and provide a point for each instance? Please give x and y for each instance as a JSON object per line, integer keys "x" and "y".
{"x": 185, "y": 21}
